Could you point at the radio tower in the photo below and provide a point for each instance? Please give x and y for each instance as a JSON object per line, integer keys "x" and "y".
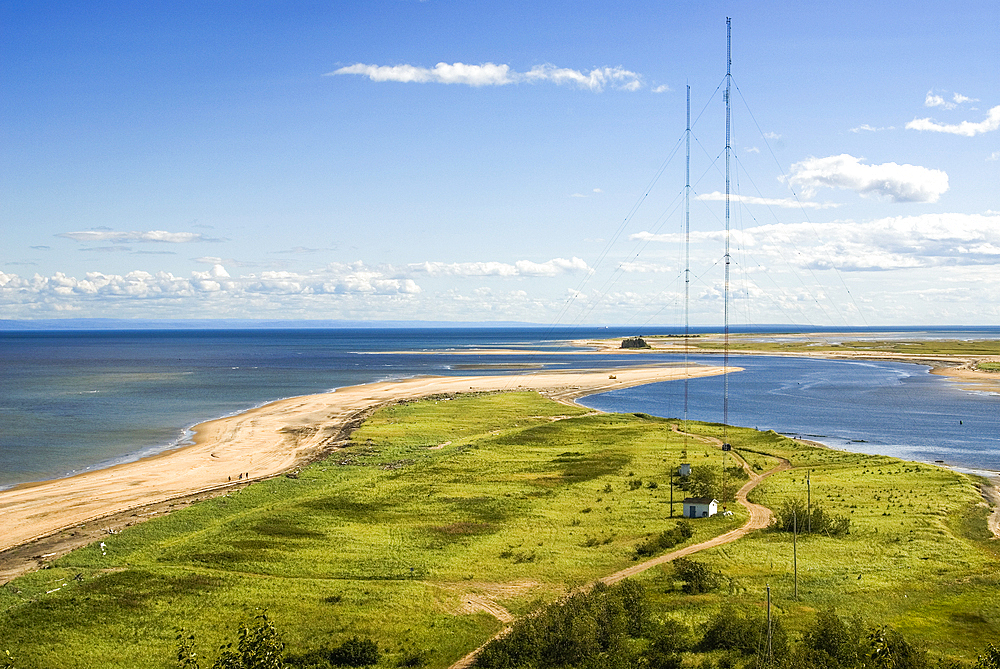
{"x": 725, "y": 354}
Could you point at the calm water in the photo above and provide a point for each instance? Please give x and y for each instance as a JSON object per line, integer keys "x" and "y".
{"x": 71, "y": 401}
{"x": 871, "y": 407}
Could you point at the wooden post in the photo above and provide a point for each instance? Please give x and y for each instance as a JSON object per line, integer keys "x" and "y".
{"x": 795, "y": 551}
{"x": 770, "y": 655}
{"x": 671, "y": 494}
{"x": 809, "y": 512}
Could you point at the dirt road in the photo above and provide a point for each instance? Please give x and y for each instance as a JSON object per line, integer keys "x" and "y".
{"x": 760, "y": 517}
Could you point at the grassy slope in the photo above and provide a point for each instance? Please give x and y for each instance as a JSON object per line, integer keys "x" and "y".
{"x": 918, "y": 557}
{"x": 512, "y": 499}
{"x": 932, "y": 347}
{"x": 517, "y": 499}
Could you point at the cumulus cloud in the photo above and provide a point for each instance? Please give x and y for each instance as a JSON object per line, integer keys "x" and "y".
{"x": 491, "y": 74}
{"x": 900, "y": 183}
{"x": 900, "y": 242}
{"x": 965, "y": 128}
{"x": 934, "y": 100}
{"x": 993, "y": 156}
{"x": 864, "y": 127}
{"x": 492, "y": 268}
{"x": 787, "y": 202}
{"x": 135, "y": 237}
{"x": 338, "y": 279}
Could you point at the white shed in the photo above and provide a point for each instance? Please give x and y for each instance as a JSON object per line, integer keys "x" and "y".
{"x": 700, "y": 507}
{"x": 684, "y": 470}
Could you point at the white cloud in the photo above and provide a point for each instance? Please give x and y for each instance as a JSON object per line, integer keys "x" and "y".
{"x": 965, "y": 128}
{"x": 598, "y": 190}
{"x": 772, "y": 135}
{"x": 136, "y": 237}
{"x": 900, "y": 242}
{"x": 491, "y": 268}
{"x": 993, "y": 156}
{"x": 662, "y": 88}
{"x": 787, "y": 203}
{"x": 751, "y": 149}
{"x": 900, "y": 183}
{"x": 864, "y": 127}
{"x": 336, "y": 279}
{"x": 490, "y": 74}
{"x": 933, "y": 100}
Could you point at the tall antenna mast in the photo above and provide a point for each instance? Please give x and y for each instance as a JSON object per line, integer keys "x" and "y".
{"x": 725, "y": 354}
{"x": 687, "y": 256}
{"x": 725, "y": 358}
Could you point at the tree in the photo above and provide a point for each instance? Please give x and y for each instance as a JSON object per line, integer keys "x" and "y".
{"x": 697, "y": 576}
{"x": 257, "y": 647}
{"x": 889, "y": 650}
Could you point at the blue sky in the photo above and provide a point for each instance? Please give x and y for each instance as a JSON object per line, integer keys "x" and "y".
{"x": 499, "y": 161}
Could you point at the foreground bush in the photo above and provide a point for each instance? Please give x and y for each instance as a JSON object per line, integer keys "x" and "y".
{"x": 586, "y": 630}
{"x": 680, "y": 533}
{"x": 795, "y": 515}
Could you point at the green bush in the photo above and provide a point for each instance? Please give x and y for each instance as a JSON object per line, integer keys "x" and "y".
{"x": 680, "y": 533}
{"x": 745, "y": 633}
{"x": 354, "y": 652}
{"x": 794, "y": 514}
{"x": 697, "y": 576}
{"x": 586, "y": 630}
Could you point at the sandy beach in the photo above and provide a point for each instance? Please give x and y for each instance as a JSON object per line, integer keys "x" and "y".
{"x": 257, "y": 444}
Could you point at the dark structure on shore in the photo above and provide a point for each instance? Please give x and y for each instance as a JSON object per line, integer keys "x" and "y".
{"x": 635, "y": 342}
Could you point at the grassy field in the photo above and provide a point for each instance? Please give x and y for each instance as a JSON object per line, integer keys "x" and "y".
{"x": 971, "y": 348}
{"x": 512, "y": 500}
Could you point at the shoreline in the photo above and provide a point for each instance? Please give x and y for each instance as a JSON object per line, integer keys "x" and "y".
{"x": 263, "y": 442}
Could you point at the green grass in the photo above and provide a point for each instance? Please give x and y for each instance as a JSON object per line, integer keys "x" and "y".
{"x": 989, "y": 366}
{"x": 515, "y": 498}
{"x": 435, "y": 499}
{"x": 930, "y": 347}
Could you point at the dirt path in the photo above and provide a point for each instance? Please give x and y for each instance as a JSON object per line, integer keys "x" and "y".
{"x": 991, "y": 493}
{"x": 760, "y": 517}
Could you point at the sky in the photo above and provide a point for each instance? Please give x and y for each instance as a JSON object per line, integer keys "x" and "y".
{"x": 500, "y": 161}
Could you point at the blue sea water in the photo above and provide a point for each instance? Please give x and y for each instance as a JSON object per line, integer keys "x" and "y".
{"x": 77, "y": 400}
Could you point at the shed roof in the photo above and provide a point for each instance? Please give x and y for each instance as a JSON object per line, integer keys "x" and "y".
{"x": 699, "y": 500}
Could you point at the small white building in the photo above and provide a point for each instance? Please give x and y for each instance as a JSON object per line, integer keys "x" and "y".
{"x": 684, "y": 470}
{"x": 700, "y": 507}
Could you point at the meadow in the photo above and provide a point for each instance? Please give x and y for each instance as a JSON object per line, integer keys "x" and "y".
{"x": 449, "y": 514}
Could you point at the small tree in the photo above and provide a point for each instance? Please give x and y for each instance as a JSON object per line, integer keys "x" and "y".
{"x": 697, "y": 576}
{"x": 257, "y": 647}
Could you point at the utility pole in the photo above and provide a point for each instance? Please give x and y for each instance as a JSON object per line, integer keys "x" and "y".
{"x": 809, "y": 512}
{"x": 795, "y": 552}
{"x": 770, "y": 654}
{"x": 671, "y": 494}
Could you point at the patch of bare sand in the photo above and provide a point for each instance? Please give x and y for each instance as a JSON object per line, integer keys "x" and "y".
{"x": 267, "y": 441}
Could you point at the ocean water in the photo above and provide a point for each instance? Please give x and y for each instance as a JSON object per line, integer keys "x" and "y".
{"x": 886, "y": 408}
{"x": 72, "y": 401}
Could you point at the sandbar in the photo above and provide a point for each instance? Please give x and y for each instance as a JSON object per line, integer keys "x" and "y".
{"x": 267, "y": 441}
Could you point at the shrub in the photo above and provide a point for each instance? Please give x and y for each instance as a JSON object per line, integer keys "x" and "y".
{"x": 257, "y": 647}
{"x": 829, "y": 642}
{"x": 666, "y": 645}
{"x": 585, "y": 630}
{"x": 681, "y": 532}
{"x": 744, "y": 632}
{"x": 697, "y": 576}
{"x": 889, "y": 650}
{"x": 354, "y": 652}
{"x": 794, "y": 512}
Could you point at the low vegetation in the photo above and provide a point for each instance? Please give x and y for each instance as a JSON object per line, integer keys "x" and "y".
{"x": 445, "y": 513}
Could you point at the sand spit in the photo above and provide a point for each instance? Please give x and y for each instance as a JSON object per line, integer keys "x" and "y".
{"x": 267, "y": 441}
